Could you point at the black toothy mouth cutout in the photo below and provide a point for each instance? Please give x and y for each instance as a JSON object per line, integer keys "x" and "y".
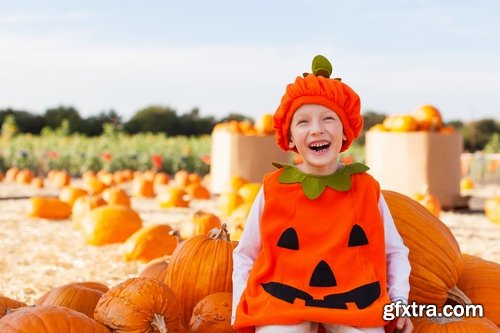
{"x": 362, "y": 296}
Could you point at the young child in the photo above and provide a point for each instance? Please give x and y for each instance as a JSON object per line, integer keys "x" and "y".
{"x": 319, "y": 245}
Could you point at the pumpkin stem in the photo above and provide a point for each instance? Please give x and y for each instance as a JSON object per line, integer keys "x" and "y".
{"x": 221, "y": 233}
{"x": 177, "y": 235}
{"x": 458, "y": 296}
{"x": 158, "y": 323}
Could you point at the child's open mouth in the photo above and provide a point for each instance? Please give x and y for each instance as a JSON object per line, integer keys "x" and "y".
{"x": 319, "y": 147}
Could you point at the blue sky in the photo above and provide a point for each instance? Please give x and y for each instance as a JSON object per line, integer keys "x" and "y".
{"x": 237, "y": 56}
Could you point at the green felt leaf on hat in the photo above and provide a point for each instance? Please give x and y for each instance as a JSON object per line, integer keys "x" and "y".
{"x": 314, "y": 185}
{"x": 321, "y": 66}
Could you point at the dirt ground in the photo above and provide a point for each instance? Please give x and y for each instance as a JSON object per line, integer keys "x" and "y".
{"x": 37, "y": 255}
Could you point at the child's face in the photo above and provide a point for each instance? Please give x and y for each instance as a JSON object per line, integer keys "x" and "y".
{"x": 317, "y": 134}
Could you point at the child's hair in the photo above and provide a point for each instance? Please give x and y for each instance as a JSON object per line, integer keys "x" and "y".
{"x": 318, "y": 88}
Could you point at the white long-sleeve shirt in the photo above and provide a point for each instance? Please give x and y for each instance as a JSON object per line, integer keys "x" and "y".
{"x": 398, "y": 265}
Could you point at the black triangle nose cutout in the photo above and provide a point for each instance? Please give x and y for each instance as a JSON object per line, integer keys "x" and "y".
{"x": 357, "y": 237}
{"x": 322, "y": 276}
{"x": 289, "y": 239}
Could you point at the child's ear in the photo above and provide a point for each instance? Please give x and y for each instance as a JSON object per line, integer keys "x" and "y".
{"x": 344, "y": 137}
{"x": 291, "y": 144}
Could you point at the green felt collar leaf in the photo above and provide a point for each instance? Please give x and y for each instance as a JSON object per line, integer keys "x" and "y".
{"x": 314, "y": 185}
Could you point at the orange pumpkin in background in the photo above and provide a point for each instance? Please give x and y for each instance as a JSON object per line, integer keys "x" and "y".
{"x": 8, "y": 304}
{"x": 264, "y": 124}
{"x": 50, "y": 319}
{"x": 203, "y": 222}
{"x": 173, "y": 197}
{"x": 428, "y": 118}
{"x": 48, "y": 208}
{"x": 79, "y": 296}
{"x": 150, "y": 242}
{"x": 110, "y": 224}
{"x": 492, "y": 209}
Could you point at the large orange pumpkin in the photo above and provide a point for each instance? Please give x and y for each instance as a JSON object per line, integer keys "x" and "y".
{"x": 110, "y": 224}
{"x": 150, "y": 242}
{"x": 49, "y": 319}
{"x": 7, "y": 304}
{"x": 199, "y": 266}
{"x": 82, "y": 205}
{"x": 79, "y": 296}
{"x": 480, "y": 281}
{"x": 139, "y": 305}
{"x": 212, "y": 314}
{"x": 435, "y": 258}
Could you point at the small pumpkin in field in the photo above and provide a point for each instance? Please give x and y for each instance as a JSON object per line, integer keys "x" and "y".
{"x": 249, "y": 191}
{"x": 429, "y": 201}
{"x": 480, "y": 281}
{"x": 110, "y": 224}
{"x": 199, "y": 266}
{"x": 70, "y": 193}
{"x": 237, "y": 220}
{"x": 139, "y": 305}
{"x": 150, "y": 242}
{"x": 435, "y": 257}
{"x": 198, "y": 191}
{"x": 7, "y": 304}
{"x": 10, "y": 174}
{"x": 49, "y": 319}
{"x": 37, "y": 182}
{"x": 24, "y": 176}
{"x": 79, "y": 296}
{"x": 156, "y": 268}
{"x": 173, "y": 197}
{"x": 116, "y": 196}
{"x": 82, "y": 205}
{"x": 212, "y": 314}
{"x": 203, "y": 222}
{"x": 228, "y": 202}
{"x": 48, "y": 208}
{"x": 492, "y": 209}
{"x": 466, "y": 184}
{"x": 143, "y": 187}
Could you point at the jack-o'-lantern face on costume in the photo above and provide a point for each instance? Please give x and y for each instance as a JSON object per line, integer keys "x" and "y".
{"x": 323, "y": 276}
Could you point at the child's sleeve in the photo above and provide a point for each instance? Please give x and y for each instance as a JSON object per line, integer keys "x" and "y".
{"x": 248, "y": 247}
{"x": 398, "y": 264}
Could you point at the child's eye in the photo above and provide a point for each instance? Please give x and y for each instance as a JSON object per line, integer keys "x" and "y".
{"x": 329, "y": 118}
{"x": 299, "y": 122}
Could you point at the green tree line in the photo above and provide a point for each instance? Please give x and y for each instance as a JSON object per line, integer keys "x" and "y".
{"x": 478, "y": 135}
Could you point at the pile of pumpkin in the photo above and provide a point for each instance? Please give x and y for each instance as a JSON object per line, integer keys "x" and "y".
{"x": 263, "y": 126}
{"x": 425, "y": 118}
{"x": 191, "y": 289}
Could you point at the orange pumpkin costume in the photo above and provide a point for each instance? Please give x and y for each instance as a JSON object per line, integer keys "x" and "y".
{"x": 304, "y": 271}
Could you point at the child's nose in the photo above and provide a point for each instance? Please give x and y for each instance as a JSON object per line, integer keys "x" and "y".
{"x": 317, "y": 128}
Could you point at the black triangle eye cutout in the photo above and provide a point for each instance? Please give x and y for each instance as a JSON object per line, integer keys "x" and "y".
{"x": 357, "y": 236}
{"x": 289, "y": 239}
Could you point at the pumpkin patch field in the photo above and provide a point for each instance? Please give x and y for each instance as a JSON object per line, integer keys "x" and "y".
{"x": 90, "y": 246}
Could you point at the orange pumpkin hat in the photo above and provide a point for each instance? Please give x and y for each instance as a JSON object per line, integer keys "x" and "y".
{"x": 318, "y": 88}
